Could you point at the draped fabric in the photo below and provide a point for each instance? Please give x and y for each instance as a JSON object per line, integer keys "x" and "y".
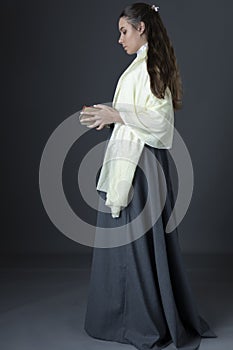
{"x": 147, "y": 120}
{"x": 139, "y": 293}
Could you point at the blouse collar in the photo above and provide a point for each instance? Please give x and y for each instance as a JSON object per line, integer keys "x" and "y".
{"x": 142, "y": 48}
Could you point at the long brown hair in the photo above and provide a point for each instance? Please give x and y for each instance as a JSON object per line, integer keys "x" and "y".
{"x": 161, "y": 60}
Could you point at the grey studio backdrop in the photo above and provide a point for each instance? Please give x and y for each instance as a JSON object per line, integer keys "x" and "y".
{"x": 58, "y": 56}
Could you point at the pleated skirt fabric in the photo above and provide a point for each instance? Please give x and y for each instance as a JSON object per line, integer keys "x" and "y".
{"x": 139, "y": 293}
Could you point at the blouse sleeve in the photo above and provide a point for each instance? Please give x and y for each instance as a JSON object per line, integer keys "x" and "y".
{"x": 150, "y": 118}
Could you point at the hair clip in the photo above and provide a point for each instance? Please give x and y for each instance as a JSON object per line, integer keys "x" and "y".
{"x": 156, "y": 8}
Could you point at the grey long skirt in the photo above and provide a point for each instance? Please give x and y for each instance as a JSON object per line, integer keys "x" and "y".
{"x": 139, "y": 292}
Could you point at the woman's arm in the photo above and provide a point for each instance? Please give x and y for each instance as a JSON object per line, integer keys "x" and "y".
{"x": 148, "y": 116}
{"x": 118, "y": 119}
{"x": 152, "y": 119}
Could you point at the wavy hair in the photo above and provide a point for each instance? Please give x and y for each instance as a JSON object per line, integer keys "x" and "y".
{"x": 161, "y": 60}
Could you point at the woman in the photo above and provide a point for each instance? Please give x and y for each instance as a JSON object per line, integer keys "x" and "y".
{"x": 139, "y": 293}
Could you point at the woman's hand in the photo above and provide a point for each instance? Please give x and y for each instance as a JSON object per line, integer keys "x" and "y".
{"x": 106, "y": 115}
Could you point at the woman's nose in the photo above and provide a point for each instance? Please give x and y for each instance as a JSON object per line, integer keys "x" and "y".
{"x": 120, "y": 40}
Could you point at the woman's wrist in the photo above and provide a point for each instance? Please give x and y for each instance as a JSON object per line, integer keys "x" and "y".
{"x": 117, "y": 118}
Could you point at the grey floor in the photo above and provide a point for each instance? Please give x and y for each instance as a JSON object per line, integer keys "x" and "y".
{"x": 43, "y": 302}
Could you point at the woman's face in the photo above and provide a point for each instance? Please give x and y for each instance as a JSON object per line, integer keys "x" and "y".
{"x": 130, "y": 38}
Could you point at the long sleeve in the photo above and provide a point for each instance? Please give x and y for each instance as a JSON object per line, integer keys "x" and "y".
{"x": 120, "y": 161}
{"x": 150, "y": 118}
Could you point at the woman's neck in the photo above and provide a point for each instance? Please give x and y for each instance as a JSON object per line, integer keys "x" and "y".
{"x": 142, "y": 48}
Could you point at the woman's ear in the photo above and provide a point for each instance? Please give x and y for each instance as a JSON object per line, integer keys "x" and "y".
{"x": 141, "y": 28}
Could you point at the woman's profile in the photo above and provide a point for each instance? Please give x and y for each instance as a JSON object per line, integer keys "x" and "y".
{"x": 139, "y": 293}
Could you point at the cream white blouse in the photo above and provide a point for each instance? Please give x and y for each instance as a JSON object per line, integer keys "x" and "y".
{"x": 147, "y": 120}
